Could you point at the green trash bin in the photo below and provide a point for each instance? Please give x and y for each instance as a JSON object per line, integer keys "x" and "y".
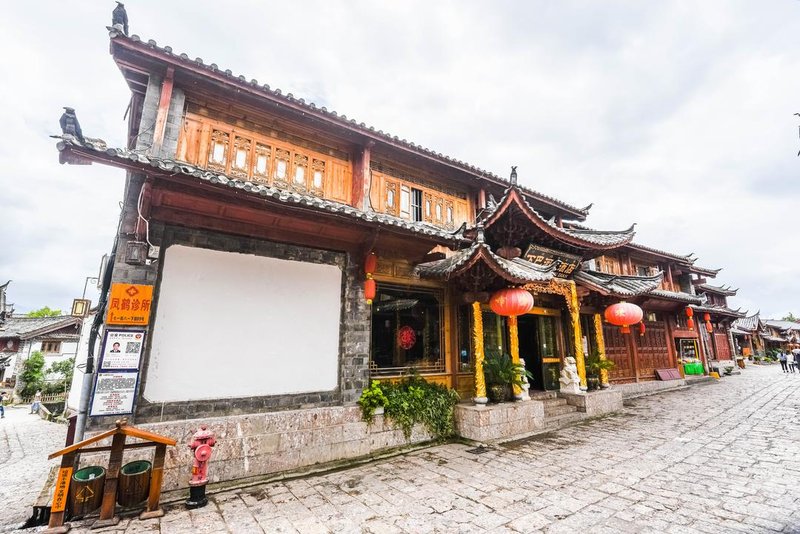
{"x": 86, "y": 490}
{"x": 134, "y": 483}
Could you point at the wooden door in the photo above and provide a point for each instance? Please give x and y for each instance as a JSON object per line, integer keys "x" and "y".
{"x": 723, "y": 347}
{"x": 652, "y": 349}
{"x": 618, "y": 352}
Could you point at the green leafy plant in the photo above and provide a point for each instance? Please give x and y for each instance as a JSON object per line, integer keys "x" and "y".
{"x": 411, "y": 401}
{"x": 371, "y": 398}
{"x": 44, "y": 312}
{"x": 499, "y": 369}
{"x": 594, "y": 365}
{"x": 32, "y": 375}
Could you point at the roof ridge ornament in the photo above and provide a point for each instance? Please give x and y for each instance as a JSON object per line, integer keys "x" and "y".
{"x": 119, "y": 19}
{"x": 513, "y": 175}
{"x": 480, "y": 237}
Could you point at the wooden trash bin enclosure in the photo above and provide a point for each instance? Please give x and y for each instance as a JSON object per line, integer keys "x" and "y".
{"x": 86, "y": 490}
{"x": 134, "y": 483}
{"x": 138, "y": 481}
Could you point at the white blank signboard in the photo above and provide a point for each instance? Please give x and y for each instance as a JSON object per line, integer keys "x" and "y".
{"x": 239, "y": 325}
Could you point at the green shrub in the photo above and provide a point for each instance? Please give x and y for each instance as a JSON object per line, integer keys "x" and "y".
{"x": 411, "y": 401}
{"x": 499, "y": 369}
{"x": 32, "y": 375}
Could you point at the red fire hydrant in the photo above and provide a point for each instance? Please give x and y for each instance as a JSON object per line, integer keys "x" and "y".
{"x": 201, "y": 444}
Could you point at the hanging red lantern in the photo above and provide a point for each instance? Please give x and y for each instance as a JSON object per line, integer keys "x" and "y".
{"x": 369, "y": 290}
{"x": 689, "y": 312}
{"x": 706, "y": 317}
{"x": 370, "y": 264}
{"x": 690, "y": 323}
{"x": 624, "y": 314}
{"x": 642, "y": 329}
{"x": 406, "y": 337}
{"x": 709, "y": 328}
{"x": 511, "y": 302}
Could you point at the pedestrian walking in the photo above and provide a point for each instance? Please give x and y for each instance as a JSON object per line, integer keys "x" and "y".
{"x": 2, "y": 404}
{"x": 37, "y": 401}
{"x": 782, "y": 359}
{"x": 790, "y": 363}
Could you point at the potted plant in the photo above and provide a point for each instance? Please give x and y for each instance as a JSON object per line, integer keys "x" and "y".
{"x": 594, "y": 364}
{"x": 501, "y": 373}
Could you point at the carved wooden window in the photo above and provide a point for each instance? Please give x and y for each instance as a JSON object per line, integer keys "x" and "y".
{"x": 282, "y": 158}
{"x": 439, "y": 210}
{"x": 51, "y": 346}
{"x": 317, "y": 176}
{"x": 405, "y": 202}
{"x": 428, "y": 214}
{"x": 241, "y": 157}
{"x": 218, "y": 151}
{"x": 261, "y": 165}
{"x": 300, "y": 172}
{"x": 391, "y": 198}
{"x": 449, "y": 220}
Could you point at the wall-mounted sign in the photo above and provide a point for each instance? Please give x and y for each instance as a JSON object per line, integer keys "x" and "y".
{"x": 129, "y": 304}
{"x": 80, "y": 307}
{"x": 113, "y": 393}
{"x": 122, "y": 349}
{"x": 564, "y": 263}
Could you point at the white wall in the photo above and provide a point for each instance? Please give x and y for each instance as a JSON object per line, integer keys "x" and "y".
{"x": 239, "y": 325}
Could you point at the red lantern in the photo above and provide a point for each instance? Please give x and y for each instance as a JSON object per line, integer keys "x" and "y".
{"x": 624, "y": 314}
{"x": 706, "y": 317}
{"x": 642, "y": 329}
{"x": 511, "y": 302}
{"x": 370, "y": 264}
{"x": 709, "y": 328}
{"x": 369, "y": 290}
{"x": 690, "y": 323}
{"x": 689, "y": 312}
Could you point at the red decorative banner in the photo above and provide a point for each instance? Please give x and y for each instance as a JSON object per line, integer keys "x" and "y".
{"x": 406, "y": 337}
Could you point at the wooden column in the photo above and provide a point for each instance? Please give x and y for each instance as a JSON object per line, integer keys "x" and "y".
{"x": 634, "y": 353}
{"x": 601, "y": 346}
{"x": 669, "y": 277}
{"x": 362, "y": 177}
{"x": 513, "y": 346}
{"x": 156, "y": 477}
{"x": 575, "y": 315}
{"x": 163, "y": 111}
{"x": 477, "y": 342}
{"x": 107, "y": 517}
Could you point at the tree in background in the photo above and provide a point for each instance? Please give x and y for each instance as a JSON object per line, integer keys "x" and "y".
{"x": 792, "y": 318}
{"x": 32, "y": 376}
{"x": 44, "y": 312}
{"x": 64, "y": 368}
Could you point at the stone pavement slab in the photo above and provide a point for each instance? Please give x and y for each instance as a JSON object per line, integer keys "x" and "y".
{"x": 723, "y": 457}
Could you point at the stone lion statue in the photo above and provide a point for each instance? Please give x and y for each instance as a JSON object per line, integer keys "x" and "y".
{"x": 570, "y": 381}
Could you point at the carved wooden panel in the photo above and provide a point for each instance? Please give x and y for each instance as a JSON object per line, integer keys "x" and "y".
{"x": 437, "y": 207}
{"x": 218, "y": 151}
{"x": 340, "y": 182}
{"x": 652, "y": 348}
{"x": 617, "y": 351}
{"x": 240, "y": 160}
{"x": 723, "y": 347}
{"x": 300, "y": 173}
{"x": 263, "y": 156}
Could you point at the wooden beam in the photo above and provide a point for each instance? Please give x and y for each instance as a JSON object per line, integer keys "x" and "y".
{"x": 163, "y": 110}
{"x": 362, "y": 177}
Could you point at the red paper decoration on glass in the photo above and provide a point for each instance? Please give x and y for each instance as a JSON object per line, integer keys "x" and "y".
{"x": 511, "y": 302}
{"x": 406, "y": 337}
{"x": 624, "y": 314}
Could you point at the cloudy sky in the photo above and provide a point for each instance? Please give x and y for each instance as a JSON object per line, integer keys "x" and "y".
{"x": 675, "y": 115}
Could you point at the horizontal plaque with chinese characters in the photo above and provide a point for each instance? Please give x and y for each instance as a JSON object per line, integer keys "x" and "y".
{"x": 564, "y": 263}
{"x": 129, "y": 304}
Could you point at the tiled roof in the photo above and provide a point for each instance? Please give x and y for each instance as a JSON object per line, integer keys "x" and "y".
{"x": 737, "y": 332}
{"x": 578, "y": 235}
{"x": 618, "y": 285}
{"x": 29, "y": 327}
{"x": 783, "y": 325}
{"x": 719, "y": 310}
{"x": 720, "y": 290}
{"x": 676, "y": 296}
{"x": 749, "y": 324}
{"x": 308, "y": 107}
{"x": 290, "y": 198}
{"x": 769, "y": 337}
{"x": 516, "y": 270}
{"x": 681, "y": 258}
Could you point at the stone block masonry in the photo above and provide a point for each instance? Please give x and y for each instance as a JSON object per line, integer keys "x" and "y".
{"x": 596, "y": 402}
{"x": 499, "y": 421}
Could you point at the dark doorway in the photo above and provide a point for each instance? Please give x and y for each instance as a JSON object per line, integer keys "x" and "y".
{"x": 528, "y": 350}
{"x": 539, "y": 346}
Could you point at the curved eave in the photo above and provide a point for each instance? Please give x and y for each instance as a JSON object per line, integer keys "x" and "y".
{"x": 713, "y": 310}
{"x": 623, "y": 286}
{"x": 674, "y": 296}
{"x": 511, "y": 271}
{"x": 71, "y": 149}
{"x": 213, "y": 73}
{"x": 572, "y": 237}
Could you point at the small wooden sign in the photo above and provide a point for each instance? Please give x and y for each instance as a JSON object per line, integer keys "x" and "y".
{"x": 129, "y": 304}
{"x": 62, "y": 488}
{"x": 564, "y": 263}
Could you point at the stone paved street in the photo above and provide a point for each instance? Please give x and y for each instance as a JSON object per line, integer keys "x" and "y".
{"x": 716, "y": 458}
{"x": 25, "y": 442}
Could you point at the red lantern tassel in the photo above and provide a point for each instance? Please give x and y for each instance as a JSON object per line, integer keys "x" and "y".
{"x": 625, "y": 329}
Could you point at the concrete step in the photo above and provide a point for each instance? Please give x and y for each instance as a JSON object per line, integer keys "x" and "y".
{"x": 542, "y": 395}
{"x": 558, "y": 421}
{"x": 559, "y": 409}
{"x": 554, "y": 402}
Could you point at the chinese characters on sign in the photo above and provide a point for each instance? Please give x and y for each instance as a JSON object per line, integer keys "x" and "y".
{"x": 129, "y": 304}
{"x": 564, "y": 263}
{"x": 122, "y": 349}
{"x": 113, "y": 393}
{"x": 62, "y": 486}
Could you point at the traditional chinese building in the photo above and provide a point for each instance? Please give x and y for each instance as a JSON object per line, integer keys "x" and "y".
{"x": 745, "y": 331}
{"x": 250, "y": 215}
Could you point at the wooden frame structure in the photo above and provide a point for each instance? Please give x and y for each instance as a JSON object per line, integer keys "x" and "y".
{"x": 70, "y": 456}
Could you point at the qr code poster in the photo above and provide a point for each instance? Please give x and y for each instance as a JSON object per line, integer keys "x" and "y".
{"x": 122, "y": 349}
{"x": 114, "y": 393}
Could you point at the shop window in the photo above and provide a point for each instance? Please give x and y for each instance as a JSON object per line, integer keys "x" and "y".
{"x": 494, "y": 333}
{"x": 51, "y": 346}
{"x": 464, "y": 326}
{"x": 406, "y": 331}
{"x": 416, "y": 204}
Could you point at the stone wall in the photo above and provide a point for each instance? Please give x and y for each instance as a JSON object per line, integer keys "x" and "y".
{"x": 630, "y": 391}
{"x": 499, "y": 421}
{"x": 255, "y": 445}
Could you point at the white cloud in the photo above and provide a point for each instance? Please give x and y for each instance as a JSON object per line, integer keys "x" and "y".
{"x": 674, "y": 115}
